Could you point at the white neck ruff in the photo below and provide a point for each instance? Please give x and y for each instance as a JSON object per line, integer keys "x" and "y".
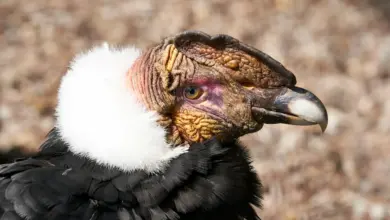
{"x": 100, "y": 118}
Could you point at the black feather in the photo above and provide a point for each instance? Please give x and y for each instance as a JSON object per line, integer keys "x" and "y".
{"x": 211, "y": 181}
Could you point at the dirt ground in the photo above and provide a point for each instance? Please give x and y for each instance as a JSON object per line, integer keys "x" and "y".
{"x": 340, "y": 50}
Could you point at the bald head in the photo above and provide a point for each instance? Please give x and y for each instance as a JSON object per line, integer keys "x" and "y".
{"x": 205, "y": 86}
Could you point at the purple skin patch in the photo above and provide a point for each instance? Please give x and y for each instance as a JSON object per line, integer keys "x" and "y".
{"x": 211, "y": 101}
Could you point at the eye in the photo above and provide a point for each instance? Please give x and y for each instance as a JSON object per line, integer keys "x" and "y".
{"x": 193, "y": 92}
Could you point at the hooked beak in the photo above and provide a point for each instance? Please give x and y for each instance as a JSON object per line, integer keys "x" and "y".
{"x": 294, "y": 106}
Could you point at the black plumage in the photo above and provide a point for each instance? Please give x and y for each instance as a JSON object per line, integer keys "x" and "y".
{"x": 14, "y": 153}
{"x": 211, "y": 181}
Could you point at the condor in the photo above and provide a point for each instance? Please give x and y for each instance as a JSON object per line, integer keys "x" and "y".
{"x": 153, "y": 134}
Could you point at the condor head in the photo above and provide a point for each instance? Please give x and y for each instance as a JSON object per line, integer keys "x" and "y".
{"x": 205, "y": 86}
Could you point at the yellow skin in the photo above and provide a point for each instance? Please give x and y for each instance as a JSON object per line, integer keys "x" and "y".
{"x": 206, "y": 86}
{"x": 196, "y": 126}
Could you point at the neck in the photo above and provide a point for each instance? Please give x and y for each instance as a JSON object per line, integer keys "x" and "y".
{"x": 146, "y": 82}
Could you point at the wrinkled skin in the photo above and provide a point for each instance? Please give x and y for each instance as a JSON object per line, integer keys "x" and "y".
{"x": 238, "y": 88}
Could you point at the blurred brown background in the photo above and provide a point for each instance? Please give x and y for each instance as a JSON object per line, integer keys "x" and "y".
{"x": 340, "y": 50}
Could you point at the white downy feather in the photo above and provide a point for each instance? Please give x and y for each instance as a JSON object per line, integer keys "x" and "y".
{"x": 100, "y": 118}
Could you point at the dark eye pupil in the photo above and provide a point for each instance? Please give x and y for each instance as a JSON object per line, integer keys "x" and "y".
{"x": 191, "y": 90}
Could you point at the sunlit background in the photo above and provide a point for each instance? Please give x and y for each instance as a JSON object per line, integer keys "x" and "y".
{"x": 340, "y": 50}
